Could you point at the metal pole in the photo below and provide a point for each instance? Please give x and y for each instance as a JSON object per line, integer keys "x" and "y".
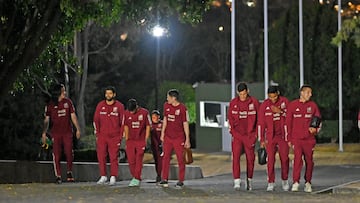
{"x": 266, "y": 57}
{"x": 340, "y": 83}
{"x": 301, "y": 48}
{"x": 233, "y": 49}
{"x": 157, "y": 71}
{"x": 66, "y": 70}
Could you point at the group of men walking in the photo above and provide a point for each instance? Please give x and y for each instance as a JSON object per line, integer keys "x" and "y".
{"x": 112, "y": 123}
{"x": 278, "y": 124}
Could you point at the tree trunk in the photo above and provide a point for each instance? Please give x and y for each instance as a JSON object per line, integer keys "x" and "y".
{"x": 79, "y": 102}
{"x": 81, "y": 50}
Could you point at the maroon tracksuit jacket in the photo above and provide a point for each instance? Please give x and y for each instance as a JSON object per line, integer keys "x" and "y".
{"x": 242, "y": 117}
{"x": 108, "y": 124}
{"x": 298, "y": 118}
{"x": 271, "y": 130}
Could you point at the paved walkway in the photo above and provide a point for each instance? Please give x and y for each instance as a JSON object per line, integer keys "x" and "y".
{"x": 217, "y": 188}
{"x": 336, "y": 178}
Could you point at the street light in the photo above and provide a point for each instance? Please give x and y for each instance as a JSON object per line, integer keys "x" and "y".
{"x": 157, "y": 32}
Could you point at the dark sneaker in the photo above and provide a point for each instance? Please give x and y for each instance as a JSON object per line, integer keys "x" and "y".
{"x": 58, "y": 180}
{"x": 69, "y": 177}
{"x": 158, "y": 179}
{"x": 179, "y": 185}
{"x": 249, "y": 184}
{"x": 161, "y": 152}
{"x": 164, "y": 183}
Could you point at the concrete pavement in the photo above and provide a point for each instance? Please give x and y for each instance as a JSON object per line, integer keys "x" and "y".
{"x": 218, "y": 188}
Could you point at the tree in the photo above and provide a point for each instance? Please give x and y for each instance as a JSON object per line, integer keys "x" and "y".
{"x": 320, "y": 58}
{"x": 26, "y": 29}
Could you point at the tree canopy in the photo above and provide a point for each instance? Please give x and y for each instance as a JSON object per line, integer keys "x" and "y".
{"x": 27, "y": 27}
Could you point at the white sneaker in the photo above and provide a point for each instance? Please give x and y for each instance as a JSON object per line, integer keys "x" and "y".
{"x": 285, "y": 185}
{"x": 295, "y": 187}
{"x": 237, "y": 184}
{"x": 102, "y": 180}
{"x": 249, "y": 184}
{"x": 307, "y": 187}
{"x": 270, "y": 187}
{"x": 112, "y": 180}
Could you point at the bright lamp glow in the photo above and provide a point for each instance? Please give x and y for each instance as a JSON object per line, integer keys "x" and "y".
{"x": 158, "y": 31}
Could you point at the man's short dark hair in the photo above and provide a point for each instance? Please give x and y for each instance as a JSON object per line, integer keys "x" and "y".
{"x": 55, "y": 92}
{"x": 305, "y": 86}
{"x": 174, "y": 93}
{"x": 55, "y": 89}
{"x": 131, "y": 105}
{"x": 273, "y": 89}
{"x": 111, "y": 88}
{"x": 241, "y": 87}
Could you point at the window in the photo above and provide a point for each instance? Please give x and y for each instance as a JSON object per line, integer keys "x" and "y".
{"x": 211, "y": 114}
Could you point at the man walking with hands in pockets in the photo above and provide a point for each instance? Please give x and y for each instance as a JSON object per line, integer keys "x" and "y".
{"x": 108, "y": 125}
{"x": 242, "y": 116}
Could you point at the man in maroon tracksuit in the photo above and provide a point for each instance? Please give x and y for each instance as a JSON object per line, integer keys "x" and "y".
{"x": 108, "y": 125}
{"x": 242, "y": 117}
{"x": 137, "y": 131}
{"x": 302, "y": 136}
{"x": 59, "y": 111}
{"x": 156, "y": 145}
{"x": 271, "y": 131}
{"x": 175, "y": 134}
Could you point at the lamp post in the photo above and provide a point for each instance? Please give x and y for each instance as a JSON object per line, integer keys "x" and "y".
{"x": 157, "y": 32}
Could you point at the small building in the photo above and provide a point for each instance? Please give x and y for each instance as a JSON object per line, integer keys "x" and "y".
{"x": 212, "y": 101}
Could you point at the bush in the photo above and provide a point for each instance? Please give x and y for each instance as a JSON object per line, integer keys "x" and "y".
{"x": 330, "y": 130}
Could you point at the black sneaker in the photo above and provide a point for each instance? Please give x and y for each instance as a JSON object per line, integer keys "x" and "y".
{"x": 58, "y": 180}
{"x": 249, "y": 184}
{"x": 158, "y": 179}
{"x": 161, "y": 152}
{"x": 69, "y": 177}
{"x": 179, "y": 185}
{"x": 164, "y": 183}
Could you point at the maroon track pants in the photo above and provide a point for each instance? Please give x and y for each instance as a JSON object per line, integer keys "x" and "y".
{"x": 303, "y": 148}
{"x": 59, "y": 141}
{"x": 177, "y": 145}
{"x": 240, "y": 144}
{"x": 280, "y": 145}
{"x": 135, "y": 153}
{"x": 155, "y": 142}
{"x": 105, "y": 145}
